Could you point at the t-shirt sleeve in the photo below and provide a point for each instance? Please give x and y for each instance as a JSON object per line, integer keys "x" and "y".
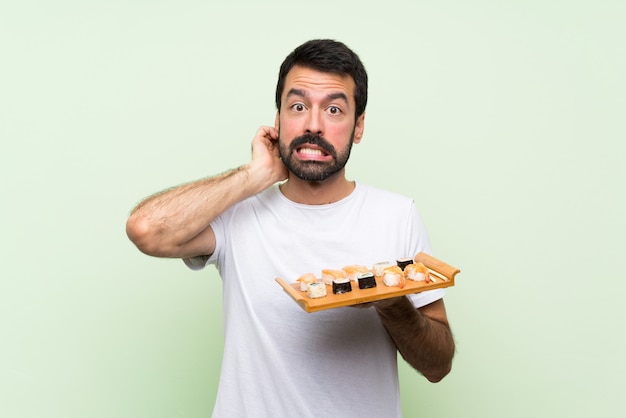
{"x": 201, "y": 261}
{"x": 418, "y": 238}
{"x": 425, "y": 298}
{"x": 197, "y": 263}
{"x": 420, "y": 242}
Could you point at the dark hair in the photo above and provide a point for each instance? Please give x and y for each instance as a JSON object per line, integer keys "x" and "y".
{"x": 327, "y": 56}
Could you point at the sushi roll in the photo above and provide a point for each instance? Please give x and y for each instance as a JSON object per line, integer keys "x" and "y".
{"x": 305, "y": 279}
{"x": 417, "y": 272}
{"x": 403, "y": 262}
{"x": 366, "y": 280}
{"x": 328, "y": 275}
{"x": 316, "y": 290}
{"x": 352, "y": 271}
{"x": 394, "y": 276}
{"x": 379, "y": 267}
{"x": 342, "y": 286}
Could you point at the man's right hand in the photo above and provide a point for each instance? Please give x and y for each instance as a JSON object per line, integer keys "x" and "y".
{"x": 266, "y": 164}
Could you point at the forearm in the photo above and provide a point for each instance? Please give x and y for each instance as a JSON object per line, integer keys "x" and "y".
{"x": 424, "y": 342}
{"x": 162, "y": 224}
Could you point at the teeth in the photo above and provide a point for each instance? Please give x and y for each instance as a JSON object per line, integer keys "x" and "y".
{"x": 310, "y": 151}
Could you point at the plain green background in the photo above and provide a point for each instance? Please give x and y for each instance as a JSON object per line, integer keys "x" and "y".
{"x": 504, "y": 120}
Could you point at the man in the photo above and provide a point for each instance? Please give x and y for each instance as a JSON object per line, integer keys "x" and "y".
{"x": 289, "y": 211}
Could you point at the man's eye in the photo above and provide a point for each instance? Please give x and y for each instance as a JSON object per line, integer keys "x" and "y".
{"x": 334, "y": 110}
{"x": 298, "y": 107}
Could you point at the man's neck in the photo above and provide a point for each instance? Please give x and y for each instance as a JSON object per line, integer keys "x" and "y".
{"x": 323, "y": 192}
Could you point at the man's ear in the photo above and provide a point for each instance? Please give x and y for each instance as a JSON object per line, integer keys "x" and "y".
{"x": 358, "y": 128}
{"x": 277, "y": 121}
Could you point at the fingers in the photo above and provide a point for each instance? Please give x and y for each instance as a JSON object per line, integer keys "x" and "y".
{"x": 266, "y": 156}
{"x": 267, "y": 132}
{"x": 265, "y": 138}
{"x": 273, "y": 133}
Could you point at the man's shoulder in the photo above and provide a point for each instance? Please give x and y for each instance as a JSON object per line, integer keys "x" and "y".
{"x": 382, "y": 195}
{"x": 266, "y": 196}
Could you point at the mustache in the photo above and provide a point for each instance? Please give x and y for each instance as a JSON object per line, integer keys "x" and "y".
{"x": 313, "y": 140}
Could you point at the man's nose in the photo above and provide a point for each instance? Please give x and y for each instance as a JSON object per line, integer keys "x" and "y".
{"x": 314, "y": 123}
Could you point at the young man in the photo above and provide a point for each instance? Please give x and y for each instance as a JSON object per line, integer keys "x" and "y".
{"x": 289, "y": 211}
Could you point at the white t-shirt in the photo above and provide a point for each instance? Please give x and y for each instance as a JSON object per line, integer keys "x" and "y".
{"x": 280, "y": 361}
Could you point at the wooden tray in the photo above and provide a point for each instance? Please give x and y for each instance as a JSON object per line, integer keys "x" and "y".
{"x": 442, "y": 274}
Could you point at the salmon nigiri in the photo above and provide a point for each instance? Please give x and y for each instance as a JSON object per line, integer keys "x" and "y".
{"x": 305, "y": 280}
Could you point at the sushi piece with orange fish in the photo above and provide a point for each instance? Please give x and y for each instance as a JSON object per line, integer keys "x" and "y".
{"x": 393, "y": 276}
{"x": 417, "y": 272}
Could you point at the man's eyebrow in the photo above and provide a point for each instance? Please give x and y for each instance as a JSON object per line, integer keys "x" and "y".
{"x": 339, "y": 95}
{"x": 330, "y": 97}
{"x": 296, "y": 92}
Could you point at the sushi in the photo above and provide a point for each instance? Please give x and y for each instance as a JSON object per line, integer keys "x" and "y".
{"x": 417, "y": 272}
{"x": 366, "y": 280}
{"x": 378, "y": 268}
{"x": 305, "y": 280}
{"x": 394, "y": 276}
{"x": 403, "y": 262}
{"x": 342, "y": 286}
{"x": 316, "y": 290}
{"x": 328, "y": 275}
{"x": 352, "y": 271}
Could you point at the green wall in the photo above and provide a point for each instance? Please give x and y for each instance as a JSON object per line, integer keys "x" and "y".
{"x": 504, "y": 120}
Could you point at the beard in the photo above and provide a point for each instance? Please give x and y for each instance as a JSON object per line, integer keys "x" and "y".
{"x": 314, "y": 170}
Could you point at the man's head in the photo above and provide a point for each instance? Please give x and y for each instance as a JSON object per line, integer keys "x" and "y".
{"x": 320, "y": 97}
{"x": 326, "y": 56}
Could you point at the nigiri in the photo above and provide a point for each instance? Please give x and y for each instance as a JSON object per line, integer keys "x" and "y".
{"x": 328, "y": 275}
{"x": 378, "y": 268}
{"x": 394, "y": 276}
{"x": 417, "y": 272}
{"x": 352, "y": 271}
{"x": 305, "y": 280}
